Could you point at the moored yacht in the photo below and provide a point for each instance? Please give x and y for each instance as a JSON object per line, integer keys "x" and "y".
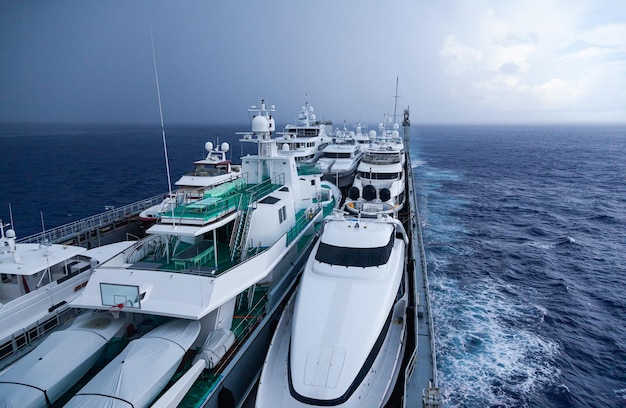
{"x": 340, "y": 158}
{"x": 37, "y": 281}
{"x": 341, "y": 338}
{"x": 379, "y": 185}
{"x": 216, "y": 270}
{"x": 213, "y": 170}
{"x": 305, "y": 139}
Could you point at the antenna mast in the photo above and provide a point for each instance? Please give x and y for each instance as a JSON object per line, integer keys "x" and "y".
{"x": 167, "y": 163}
{"x": 395, "y": 104}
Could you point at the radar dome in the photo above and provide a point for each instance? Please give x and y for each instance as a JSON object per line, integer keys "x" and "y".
{"x": 208, "y": 146}
{"x": 381, "y": 126}
{"x": 285, "y": 147}
{"x": 10, "y": 233}
{"x": 372, "y": 134}
{"x": 225, "y": 147}
{"x": 260, "y": 124}
{"x": 395, "y": 133}
{"x": 396, "y": 126}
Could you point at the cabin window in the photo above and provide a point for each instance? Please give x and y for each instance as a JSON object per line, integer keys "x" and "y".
{"x": 358, "y": 257}
{"x": 282, "y": 214}
{"x": 378, "y": 176}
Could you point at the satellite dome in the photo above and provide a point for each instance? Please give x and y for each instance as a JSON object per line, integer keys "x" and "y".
{"x": 395, "y": 133}
{"x": 396, "y": 126}
{"x": 225, "y": 147}
{"x": 372, "y": 134}
{"x": 381, "y": 126}
{"x": 260, "y": 124}
{"x": 285, "y": 147}
{"x": 10, "y": 233}
{"x": 208, "y": 146}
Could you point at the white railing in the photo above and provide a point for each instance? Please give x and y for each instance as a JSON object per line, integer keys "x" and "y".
{"x": 99, "y": 220}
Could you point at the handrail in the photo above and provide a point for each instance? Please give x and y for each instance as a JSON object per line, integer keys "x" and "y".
{"x": 115, "y": 214}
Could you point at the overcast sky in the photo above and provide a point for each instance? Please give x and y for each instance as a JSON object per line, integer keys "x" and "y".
{"x": 458, "y": 61}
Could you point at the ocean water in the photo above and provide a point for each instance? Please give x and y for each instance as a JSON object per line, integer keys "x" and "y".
{"x": 62, "y": 173}
{"x": 525, "y": 234}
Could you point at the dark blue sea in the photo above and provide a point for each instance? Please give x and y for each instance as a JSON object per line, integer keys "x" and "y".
{"x": 525, "y": 234}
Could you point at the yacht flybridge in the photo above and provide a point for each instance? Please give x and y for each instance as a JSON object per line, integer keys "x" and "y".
{"x": 341, "y": 338}
{"x": 214, "y": 170}
{"x": 197, "y": 294}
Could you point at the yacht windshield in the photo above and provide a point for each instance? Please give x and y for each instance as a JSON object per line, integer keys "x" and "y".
{"x": 360, "y": 257}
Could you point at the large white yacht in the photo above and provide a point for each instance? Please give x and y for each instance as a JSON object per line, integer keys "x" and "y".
{"x": 37, "y": 281}
{"x": 341, "y": 338}
{"x": 197, "y": 295}
{"x": 305, "y": 139}
{"x": 340, "y": 158}
{"x": 213, "y": 170}
{"x": 380, "y": 177}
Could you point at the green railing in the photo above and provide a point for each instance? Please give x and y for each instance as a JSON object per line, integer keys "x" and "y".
{"x": 204, "y": 210}
{"x": 303, "y": 219}
{"x": 308, "y": 169}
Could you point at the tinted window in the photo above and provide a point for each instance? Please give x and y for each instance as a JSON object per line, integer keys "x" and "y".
{"x": 362, "y": 257}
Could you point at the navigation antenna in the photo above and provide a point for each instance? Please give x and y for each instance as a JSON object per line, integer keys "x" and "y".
{"x": 167, "y": 163}
{"x": 395, "y": 104}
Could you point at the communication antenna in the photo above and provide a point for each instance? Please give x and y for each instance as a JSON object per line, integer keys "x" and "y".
{"x": 395, "y": 103}
{"x": 11, "y": 218}
{"x": 43, "y": 226}
{"x": 167, "y": 163}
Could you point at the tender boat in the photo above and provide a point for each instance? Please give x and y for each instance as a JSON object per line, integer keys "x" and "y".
{"x": 340, "y": 341}
{"x": 213, "y": 170}
{"x": 379, "y": 185}
{"x": 37, "y": 281}
{"x": 219, "y": 268}
{"x": 138, "y": 374}
{"x": 305, "y": 139}
{"x": 340, "y": 159}
{"x": 63, "y": 358}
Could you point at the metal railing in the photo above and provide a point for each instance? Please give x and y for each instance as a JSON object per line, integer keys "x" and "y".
{"x": 99, "y": 220}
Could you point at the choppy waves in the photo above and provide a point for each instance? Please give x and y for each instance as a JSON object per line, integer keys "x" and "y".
{"x": 525, "y": 245}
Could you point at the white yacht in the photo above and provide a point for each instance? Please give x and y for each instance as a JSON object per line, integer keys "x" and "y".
{"x": 379, "y": 184}
{"x": 306, "y": 139}
{"x": 198, "y": 293}
{"x": 213, "y": 170}
{"x": 37, "y": 281}
{"x": 340, "y": 159}
{"x": 341, "y": 338}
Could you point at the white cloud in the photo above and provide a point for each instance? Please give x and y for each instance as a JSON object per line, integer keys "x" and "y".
{"x": 460, "y": 58}
{"x": 536, "y": 57}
